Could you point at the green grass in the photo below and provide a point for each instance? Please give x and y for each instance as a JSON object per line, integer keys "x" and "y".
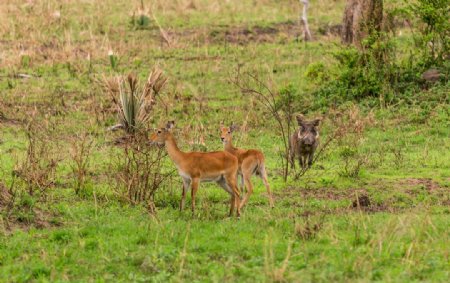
{"x": 123, "y": 242}
{"x": 314, "y": 234}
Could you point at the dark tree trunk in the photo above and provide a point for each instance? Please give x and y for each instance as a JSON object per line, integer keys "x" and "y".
{"x": 361, "y": 18}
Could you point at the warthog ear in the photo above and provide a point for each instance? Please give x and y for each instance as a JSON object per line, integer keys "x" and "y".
{"x": 316, "y": 122}
{"x": 300, "y": 118}
{"x": 170, "y": 125}
{"x": 233, "y": 127}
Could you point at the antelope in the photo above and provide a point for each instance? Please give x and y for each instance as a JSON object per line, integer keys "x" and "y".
{"x": 251, "y": 162}
{"x": 195, "y": 167}
{"x": 304, "y": 142}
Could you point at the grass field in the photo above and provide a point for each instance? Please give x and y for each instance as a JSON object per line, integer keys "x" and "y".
{"x": 53, "y": 56}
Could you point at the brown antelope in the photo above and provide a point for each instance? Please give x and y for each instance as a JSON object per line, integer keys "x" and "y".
{"x": 219, "y": 166}
{"x": 251, "y": 162}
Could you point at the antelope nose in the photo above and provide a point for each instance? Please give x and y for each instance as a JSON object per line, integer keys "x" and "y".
{"x": 222, "y": 139}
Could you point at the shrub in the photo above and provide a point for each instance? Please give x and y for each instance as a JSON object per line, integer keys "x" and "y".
{"x": 80, "y": 154}
{"x": 353, "y": 161}
{"x": 316, "y": 72}
{"x": 138, "y": 173}
{"x": 141, "y": 18}
{"x": 135, "y": 103}
{"x": 433, "y": 41}
{"x": 38, "y": 170}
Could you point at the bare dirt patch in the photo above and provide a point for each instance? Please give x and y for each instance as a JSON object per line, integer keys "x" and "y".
{"x": 6, "y": 120}
{"x": 320, "y": 193}
{"x": 14, "y": 215}
{"x": 243, "y": 35}
{"x": 40, "y": 219}
{"x": 427, "y": 183}
{"x": 358, "y": 199}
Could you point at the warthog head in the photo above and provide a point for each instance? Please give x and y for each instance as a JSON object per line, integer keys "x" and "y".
{"x": 308, "y": 133}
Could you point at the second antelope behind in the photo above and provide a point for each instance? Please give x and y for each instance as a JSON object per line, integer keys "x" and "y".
{"x": 251, "y": 162}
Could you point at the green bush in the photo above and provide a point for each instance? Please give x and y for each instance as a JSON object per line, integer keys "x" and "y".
{"x": 378, "y": 73}
{"x": 371, "y": 73}
{"x": 316, "y": 72}
{"x": 433, "y": 42}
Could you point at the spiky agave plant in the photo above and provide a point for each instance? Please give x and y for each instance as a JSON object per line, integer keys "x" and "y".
{"x": 135, "y": 102}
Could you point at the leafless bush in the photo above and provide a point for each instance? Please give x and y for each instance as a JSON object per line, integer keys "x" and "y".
{"x": 38, "y": 169}
{"x": 80, "y": 154}
{"x": 279, "y": 105}
{"x": 139, "y": 172}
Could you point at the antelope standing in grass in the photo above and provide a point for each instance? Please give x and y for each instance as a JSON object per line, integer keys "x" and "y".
{"x": 304, "y": 142}
{"x": 219, "y": 166}
{"x": 251, "y": 162}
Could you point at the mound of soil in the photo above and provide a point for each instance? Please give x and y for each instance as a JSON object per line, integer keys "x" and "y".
{"x": 361, "y": 201}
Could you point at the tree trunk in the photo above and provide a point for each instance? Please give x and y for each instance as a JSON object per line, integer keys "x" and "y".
{"x": 304, "y": 20}
{"x": 361, "y": 18}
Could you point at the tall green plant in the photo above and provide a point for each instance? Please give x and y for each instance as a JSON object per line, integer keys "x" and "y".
{"x": 134, "y": 102}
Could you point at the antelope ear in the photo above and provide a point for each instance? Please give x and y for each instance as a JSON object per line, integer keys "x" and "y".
{"x": 170, "y": 125}
{"x": 316, "y": 122}
{"x": 300, "y": 118}
{"x": 222, "y": 124}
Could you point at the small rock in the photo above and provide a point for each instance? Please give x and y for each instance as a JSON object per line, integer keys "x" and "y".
{"x": 431, "y": 75}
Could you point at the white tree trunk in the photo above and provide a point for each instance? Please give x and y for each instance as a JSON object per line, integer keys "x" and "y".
{"x": 304, "y": 20}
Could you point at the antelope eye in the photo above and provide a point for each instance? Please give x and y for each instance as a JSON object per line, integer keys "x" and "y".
{"x": 159, "y": 132}
{"x": 229, "y": 132}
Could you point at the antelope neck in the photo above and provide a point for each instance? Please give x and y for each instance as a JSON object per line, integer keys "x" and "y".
{"x": 172, "y": 149}
{"x": 229, "y": 145}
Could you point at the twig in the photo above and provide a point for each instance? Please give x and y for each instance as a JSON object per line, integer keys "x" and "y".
{"x": 163, "y": 33}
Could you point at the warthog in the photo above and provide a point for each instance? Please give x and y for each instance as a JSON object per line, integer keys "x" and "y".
{"x": 304, "y": 142}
